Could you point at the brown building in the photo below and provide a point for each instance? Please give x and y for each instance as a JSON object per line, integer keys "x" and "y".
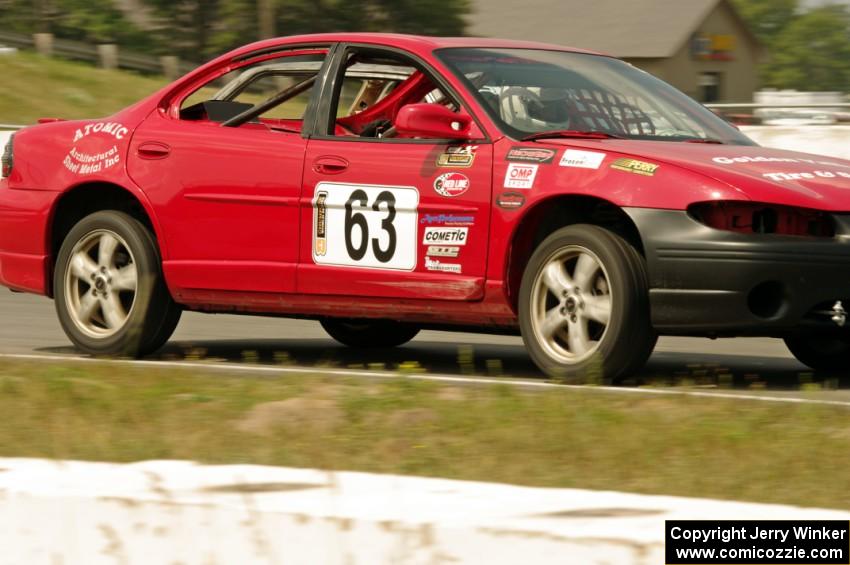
{"x": 702, "y": 47}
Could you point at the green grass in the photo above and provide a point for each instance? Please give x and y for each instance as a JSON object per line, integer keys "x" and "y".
{"x": 718, "y": 448}
{"x": 33, "y": 87}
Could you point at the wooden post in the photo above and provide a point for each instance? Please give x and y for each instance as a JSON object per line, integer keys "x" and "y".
{"x": 108, "y": 53}
{"x": 170, "y": 66}
{"x": 43, "y": 43}
{"x": 265, "y": 18}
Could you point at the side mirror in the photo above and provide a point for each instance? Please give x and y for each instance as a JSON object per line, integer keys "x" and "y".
{"x": 432, "y": 121}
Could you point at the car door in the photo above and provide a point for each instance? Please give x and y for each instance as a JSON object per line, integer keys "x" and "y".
{"x": 391, "y": 217}
{"x": 227, "y": 197}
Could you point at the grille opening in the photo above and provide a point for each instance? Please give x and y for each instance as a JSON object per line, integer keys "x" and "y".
{"x": 767, "y": 300}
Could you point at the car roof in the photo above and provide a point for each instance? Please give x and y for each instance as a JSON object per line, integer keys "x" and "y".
{"x": 419, "y": 44}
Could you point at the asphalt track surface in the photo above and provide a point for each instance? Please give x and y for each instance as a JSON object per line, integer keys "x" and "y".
{"x": 28, "y": 327}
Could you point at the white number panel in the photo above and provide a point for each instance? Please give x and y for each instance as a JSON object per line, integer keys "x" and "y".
{"x": 365, "y": 226}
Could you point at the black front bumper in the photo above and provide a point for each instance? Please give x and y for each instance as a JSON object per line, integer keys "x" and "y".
{"x": 705, "y": 281}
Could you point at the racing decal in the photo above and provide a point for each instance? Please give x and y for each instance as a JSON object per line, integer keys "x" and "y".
{"x": 114, "y": 129}
{"x": 635, "y": 166}
{"x": 451, "y": 184}
{"x": 436, "y": 265}
{"x": 443, "y": 251}
{"x": 320, "y": 217}
{"x": 370, "y": 226}
{"x": 530, "y": 155}
{"x": 582, "y": 159}
{"x": 510, "y": 200}
{"x": 461, "y": 156}
{"x": 761, "y": 159}
{"x": 447, "y": 220}
{"x": 807, "y": 176}
{"x": 520, "y": 176}
{"x": 89, "y": 154}
{"x": 449, "y": 236}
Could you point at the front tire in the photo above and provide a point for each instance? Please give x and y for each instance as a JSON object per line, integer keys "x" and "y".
{"x": 584, "y": 306}
{"x": 369, "y": 333}
{"x": 110, "y": 295}
{"x": 821, "y": 352}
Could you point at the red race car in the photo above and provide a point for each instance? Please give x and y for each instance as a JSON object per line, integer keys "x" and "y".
{"x": 385, "y": 183}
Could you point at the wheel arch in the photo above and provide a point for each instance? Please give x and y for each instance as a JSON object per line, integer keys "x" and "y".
{"x": 84, "y": 199}
{"x": 553, "y": 213}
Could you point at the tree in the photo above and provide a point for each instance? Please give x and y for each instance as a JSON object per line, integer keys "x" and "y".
{"x": 813, "y": 52}
{"x": 185, "y": 26}
{"x": 767, "y": 18}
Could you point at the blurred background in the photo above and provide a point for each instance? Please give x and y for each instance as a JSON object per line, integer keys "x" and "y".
{"x": 768, "y": 52}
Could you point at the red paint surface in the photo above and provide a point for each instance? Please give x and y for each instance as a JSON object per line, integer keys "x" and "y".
{"x": 232, "y": 207}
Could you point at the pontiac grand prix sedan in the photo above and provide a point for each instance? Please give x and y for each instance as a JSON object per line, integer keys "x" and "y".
{"x": 385, "y": 183}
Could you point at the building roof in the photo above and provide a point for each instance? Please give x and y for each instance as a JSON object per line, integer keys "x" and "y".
{"x": 623, "y": 28}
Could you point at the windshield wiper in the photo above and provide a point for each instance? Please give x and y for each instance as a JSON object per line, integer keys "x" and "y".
{"x": 579, "y": 134}
{"x": 703, "y": 140}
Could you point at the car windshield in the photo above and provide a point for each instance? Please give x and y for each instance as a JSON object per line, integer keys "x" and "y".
{"x": 532, "y": 91}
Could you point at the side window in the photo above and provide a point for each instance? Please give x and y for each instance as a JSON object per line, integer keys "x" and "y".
{"x": 277, "y": 92}
{"x": 374, "y": 87}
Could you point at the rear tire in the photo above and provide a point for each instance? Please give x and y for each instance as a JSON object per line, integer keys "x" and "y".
{"x": 369, "y": 333}
{"x": 110, "y": 294}
{"x": 584, "y": 306}
{"x": 821, "y": 352}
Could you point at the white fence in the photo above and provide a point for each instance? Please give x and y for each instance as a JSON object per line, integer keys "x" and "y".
{"x": 172, "y": 511}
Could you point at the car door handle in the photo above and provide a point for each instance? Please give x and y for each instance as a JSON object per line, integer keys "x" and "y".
{"x": 153, "y": 150}
{"x": 330, "y": 165}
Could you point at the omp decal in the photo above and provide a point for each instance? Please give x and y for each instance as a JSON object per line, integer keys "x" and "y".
{"x": 320, "y": 222}
{"x": 447, "y": 219}
{"x": 520, "y": 176}
{"x": 582, "y": 159}
{"x": 435, "y": 265}
{"x": 510, "y": 200}
{"x": 371, "y": 226}
{"x": 530, "y": 155}
{"x": 461, "y": 156}
{"x": 443, "y": 251}
{"x": 451, "y": 185}
{"x": 635, "y": 166}
{"x": 453, "y": 236}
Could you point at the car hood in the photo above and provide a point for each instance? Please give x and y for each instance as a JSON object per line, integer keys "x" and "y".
{"x": 758, "y": 173}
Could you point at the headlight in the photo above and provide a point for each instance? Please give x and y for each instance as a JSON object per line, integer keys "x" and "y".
{"x": 757, "y": 218}
{"x": 7, "y": 159}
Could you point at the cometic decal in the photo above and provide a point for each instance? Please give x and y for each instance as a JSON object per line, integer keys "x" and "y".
{"x": 449, "y": 236}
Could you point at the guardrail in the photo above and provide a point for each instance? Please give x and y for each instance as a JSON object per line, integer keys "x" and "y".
{"x": 79, "y": 51}
{"x": 753, "y": 106}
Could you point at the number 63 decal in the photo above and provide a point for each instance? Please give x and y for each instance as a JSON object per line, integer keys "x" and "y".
{"x": 365, "y": 226}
